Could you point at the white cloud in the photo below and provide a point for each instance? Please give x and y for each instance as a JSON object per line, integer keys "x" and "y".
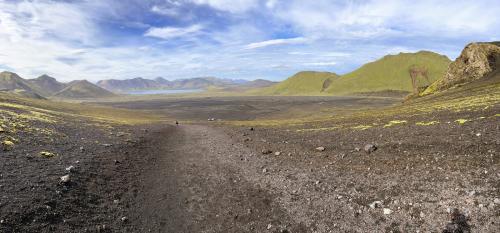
{"x": 262, "y": 44}
{"x": 173, "y": 32}
{"x": 330, "y": 63}
{"x": 234, "y": 6}
{"x": 172, "y": 12}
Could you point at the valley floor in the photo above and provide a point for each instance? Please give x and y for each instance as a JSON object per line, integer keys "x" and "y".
{"x": 253, "y": 177}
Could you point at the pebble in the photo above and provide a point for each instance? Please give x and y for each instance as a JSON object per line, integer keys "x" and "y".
{"x": 124, "y": 219}
{"x": 387, "y": 211}
{"x": 497, "y": 201}
{"x": 269, "y": 226}
{"x": 65, "y": 179}
{"x": 277, "y": 153}
{"x": 70, "y": 168}
{"x": 320, "y": 148}
{"x": 266, "y": 151}
{"x": 264, "y": 170}
{"x": 375, "y": 204}
{"x": 369, "y": 148}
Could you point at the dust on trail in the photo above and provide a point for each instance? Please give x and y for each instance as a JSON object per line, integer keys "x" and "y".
{"x": 194, "y": 187}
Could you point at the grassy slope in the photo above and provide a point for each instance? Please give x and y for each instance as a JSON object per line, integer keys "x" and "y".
{"x": 36, "y": 108}
{"x": 302, "y": 83}
{"x": 390, "y": 73}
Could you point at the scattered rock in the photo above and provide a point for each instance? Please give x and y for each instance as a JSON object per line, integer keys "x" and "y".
{"x": 497, "y": 201}
{"x": 387, "y": 211}
{"x": 266, "y": 151}
{"x": 369, "y": 148}
{"x": 46, "y": 154}
{"x": 277, "y": 153}
{"x": 2, "y": 130}
{"x": 81, "y": 148}
{"x": 107, "y": 145}
{"x": 320, "y": 148}
{"x": 120, "y": 134}
{"x": 357, "y": 149}
{"x": 70, "y": 168}
{"x": 124, "y": 219}
{"x": 264, "y": 170}
{"x": 116, "y": 201}
{"x": 458, "y": 223}
{"x": 65, "y": 179}
{"x": 269, "y": 226}
{"x": 375, "y": 204}
{"x": 252, "y": 129}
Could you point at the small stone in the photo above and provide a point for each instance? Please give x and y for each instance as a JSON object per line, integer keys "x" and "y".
{"x": 266, "y": 151}
{"x": 81, "y": 148}
{"x": 65, "y": 179}
{"x": 369, "y": 148}
{"x": 478, "y": 134}
{"x": 375, "y": 204}
{"x": 2, "y": 130}
{"x": 357, "y": 149}
{"x": 264, "y": 170}
{"x": 124, "y": 219}
{"x": 269, "y": 226}
{"x": 387, "y": 211}
{"x": 7, "y": 145}
{"x": 252, "y": 129}
{"x": 2, "y": 221}
{"x": 320, "y": 148}
{"x": 277, "y": 153}
{"x": 422, "y": 215}
{"x": 496, "y": 201}
{"x": 70, "y": 168}
{"x": 107, "y": 145}
{"x": 116, "y": 201}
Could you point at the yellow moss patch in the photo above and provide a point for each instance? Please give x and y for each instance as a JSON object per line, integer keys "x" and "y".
{"x": 461, "y": 121}
{"x": 427, "y": 123}
{"x": 362, "y": 127}
{"x": 7, "y": 145}
{"x": 395, "y": 122}
{"x": 46, "y": 154}
{"x": 317, "y": 129}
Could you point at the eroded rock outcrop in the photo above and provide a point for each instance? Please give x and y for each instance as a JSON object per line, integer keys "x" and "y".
{"x": 477, "y": 60}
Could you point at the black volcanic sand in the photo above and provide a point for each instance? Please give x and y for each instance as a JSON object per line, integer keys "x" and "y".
{"x": 253, "y": 107}
{"x": 209, "y": 177}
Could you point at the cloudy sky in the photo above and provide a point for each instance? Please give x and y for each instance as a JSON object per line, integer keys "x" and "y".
{"x": 249, "y": 39}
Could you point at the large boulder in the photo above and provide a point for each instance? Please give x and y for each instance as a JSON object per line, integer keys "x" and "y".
{"x": 476, "y": 61}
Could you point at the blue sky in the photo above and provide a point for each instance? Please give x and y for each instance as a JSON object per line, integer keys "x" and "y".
{"x": 240, "y": 39}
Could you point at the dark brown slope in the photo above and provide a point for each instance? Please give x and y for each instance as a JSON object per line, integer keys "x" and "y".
{"x": 83, "y": 89}
{"x": 46, "y": 85}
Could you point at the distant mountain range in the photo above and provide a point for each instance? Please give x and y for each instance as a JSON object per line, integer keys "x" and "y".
{"x": 161, "y": 83}
{"x": 46, "y": 86}
{"x": 418, "y": 73}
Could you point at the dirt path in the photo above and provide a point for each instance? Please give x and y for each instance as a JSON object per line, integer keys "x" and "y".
{"x": 194, "y": 187}
{"x": 208, "y": 179}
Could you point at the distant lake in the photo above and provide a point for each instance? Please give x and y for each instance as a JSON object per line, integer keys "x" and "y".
{"x": 164, "y": 92}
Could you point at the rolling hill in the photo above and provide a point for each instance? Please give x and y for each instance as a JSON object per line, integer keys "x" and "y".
{"x": 391, "y": 73}
{"x": 11, "y": 81}
{"x": 302, "y": 83}
{"x": 83, "y": 89}
{"x": 46, "y": 85}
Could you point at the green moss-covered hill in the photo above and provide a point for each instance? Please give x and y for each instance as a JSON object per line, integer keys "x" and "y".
{"x": 302, "y": 83}
{"x": 392, "y": 72}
